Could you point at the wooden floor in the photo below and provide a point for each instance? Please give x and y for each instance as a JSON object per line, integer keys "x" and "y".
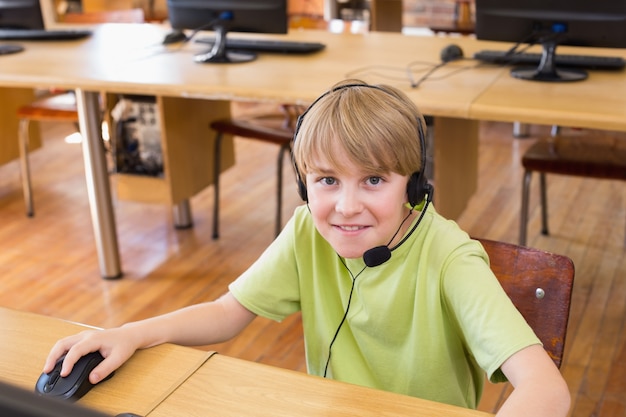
{"x": 48, "y": 263}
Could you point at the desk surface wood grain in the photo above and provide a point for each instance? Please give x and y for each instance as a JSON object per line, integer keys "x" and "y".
{"x": 125, "y": 58}
{"x": 138, "y": 386}
{"x": 226, "y": 387}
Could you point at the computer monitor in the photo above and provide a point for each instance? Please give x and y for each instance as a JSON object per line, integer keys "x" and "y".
{"x": 20, "y": 14}
{"x": 593, "y": 23}
{"x": 223, "y": 16}
{"x": 19, "y": 402}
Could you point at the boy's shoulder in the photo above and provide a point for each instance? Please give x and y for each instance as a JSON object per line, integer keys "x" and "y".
{"x": 447, "y": 237}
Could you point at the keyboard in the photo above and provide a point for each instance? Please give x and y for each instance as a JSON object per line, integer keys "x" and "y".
{"x": 560, "y": 60}
{"x": 268, "y": 45}
{"x": 43, "y": 34}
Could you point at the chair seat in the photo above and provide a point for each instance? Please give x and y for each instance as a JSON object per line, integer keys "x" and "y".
{"x": 268, "y": 128}
{"x": 58, "y": 107}
{"x": 585, "y": 156}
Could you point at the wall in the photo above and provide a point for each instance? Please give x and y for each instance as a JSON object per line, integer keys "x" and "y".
{"x": 416, "y": 13}
{"x": 428, "y": 13}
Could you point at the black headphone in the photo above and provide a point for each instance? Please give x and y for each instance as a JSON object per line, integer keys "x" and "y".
{"x": 418, "y": 187}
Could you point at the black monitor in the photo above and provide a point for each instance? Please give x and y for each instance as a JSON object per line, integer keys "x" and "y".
{"x": 20, "y": 14}
{"x": 18, "y": 402}
{"x": 223, "y": 16}
{"x": 592, "y": 23}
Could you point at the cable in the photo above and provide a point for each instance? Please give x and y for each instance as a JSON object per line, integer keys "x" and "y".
{"x": 373, "y": 70}
{"x": 428, "y": 75}
{"x": 345, "y": 315}
{"x": 343, "y": 262}
{"x": 415, "y": 84}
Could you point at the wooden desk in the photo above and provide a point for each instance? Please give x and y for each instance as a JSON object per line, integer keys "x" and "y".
{"x": 130, "y": 59}
{"x": 170, "y": 380}
{"x": 598, "y": 102}
{"x": 225, "y": 387}
{"x": 138, "y": 386}
{"x": 12, "y": 99}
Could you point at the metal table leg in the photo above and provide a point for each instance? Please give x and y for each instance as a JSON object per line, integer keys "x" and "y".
{"x": 183, "y": 219}
{"x": 98, "y": 187}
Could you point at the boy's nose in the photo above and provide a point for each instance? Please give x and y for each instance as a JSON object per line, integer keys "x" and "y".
{"x": 348, "y": 203}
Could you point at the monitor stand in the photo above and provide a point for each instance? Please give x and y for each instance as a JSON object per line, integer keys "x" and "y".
{"x": 547, "y": 71}
{"x": 219, "y": 54}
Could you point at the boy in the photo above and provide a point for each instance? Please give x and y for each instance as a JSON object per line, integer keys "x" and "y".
{"x": 392, "y": 295}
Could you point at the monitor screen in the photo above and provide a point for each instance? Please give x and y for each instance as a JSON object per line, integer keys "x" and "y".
{"x": 223, "y": 16}
{"x": 591, "y": 23}
{"x": 18, "y": 402}
{"x": 20, "y": 14}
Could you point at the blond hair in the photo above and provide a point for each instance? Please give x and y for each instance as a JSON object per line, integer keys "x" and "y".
{"x": 377, "y": 127}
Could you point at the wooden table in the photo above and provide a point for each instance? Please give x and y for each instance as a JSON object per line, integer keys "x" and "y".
{"x": 598, "y": 102}
{"x": 170, "y": 380}
{"x": 225, "y": 387}
{"x": 138, "y": 386}
{"x": 130, "y": 59}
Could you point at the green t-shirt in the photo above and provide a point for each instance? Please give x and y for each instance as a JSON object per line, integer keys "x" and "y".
{"x": 429, "y": 322}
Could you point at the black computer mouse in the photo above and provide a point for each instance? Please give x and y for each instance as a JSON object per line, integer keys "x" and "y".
{"x": 73, "y": 386}
{"x": 451, "y": 52}
{"x": 174, "y": 36}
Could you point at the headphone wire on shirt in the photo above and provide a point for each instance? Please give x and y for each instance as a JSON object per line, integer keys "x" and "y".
{"x": 345, "y": 315}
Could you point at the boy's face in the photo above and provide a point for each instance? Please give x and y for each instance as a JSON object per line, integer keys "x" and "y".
{"x": 356, "y": 210}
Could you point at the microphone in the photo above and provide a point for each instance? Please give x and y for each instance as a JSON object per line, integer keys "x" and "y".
{"x": 376, "y": 256}
{"x": 380, "y": 254}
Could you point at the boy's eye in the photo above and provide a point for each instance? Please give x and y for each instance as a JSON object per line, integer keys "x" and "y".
{"x": 328, "y": 180}
{"x": 374, "y": 180}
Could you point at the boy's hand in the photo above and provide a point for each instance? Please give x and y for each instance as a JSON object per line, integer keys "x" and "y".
{"x": 114, "y": 345}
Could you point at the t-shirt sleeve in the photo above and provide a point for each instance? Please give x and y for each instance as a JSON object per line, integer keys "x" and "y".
{"x": 269, "y": 287}
{"x": 492, "y": 326}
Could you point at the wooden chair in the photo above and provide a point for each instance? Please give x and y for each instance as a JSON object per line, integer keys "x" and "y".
{"x": 574, "y": 154}
{"x": 540, "y": 285}
{"x": 60, "y": 106}
{"x": 274, "y": 128}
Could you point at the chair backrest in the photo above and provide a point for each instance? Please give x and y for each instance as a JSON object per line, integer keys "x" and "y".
{"x": 540, "y": 285}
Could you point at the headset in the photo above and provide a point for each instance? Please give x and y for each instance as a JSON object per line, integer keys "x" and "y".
{"x": 418, "y": 187}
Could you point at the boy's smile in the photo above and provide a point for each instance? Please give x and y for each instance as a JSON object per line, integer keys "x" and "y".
{"x": 356, "y": 210}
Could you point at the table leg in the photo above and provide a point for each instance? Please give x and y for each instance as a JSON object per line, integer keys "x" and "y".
{"x": 98, "y": 187}
{"x": 183, "y": 219}
{"x": 455, "y": 164}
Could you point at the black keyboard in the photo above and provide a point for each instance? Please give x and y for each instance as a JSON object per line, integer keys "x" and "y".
{"x": 268, "y": 45}
{"x": 43, "y": 34}
{"x": 560, "y": 60}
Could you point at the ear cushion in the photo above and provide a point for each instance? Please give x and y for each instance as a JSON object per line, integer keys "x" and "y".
{"x": 416, "y": 188}
{"x": 301, "y": 187}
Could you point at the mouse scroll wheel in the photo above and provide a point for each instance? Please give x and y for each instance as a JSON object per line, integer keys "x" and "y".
{"x": 52, "y": 380}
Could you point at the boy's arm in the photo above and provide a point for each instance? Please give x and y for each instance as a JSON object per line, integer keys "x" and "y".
{"x": 539, "y": 389}
{"x": 201, "y": 324}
